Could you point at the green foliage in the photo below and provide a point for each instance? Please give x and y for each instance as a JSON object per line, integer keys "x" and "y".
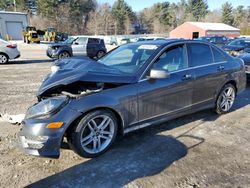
{"x": 162, "y": 13}
{"x": 227, "y": 13}
{"x": 47, "y": 8}
{"x": 121, "y": 12}
{"x": 245, "y": 31}
{"x": 239, "y": 15}
{"x": 6, "y": 5}
{"x": 197, "y": 8}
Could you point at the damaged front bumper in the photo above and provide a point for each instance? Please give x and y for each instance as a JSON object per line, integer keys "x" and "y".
{"x": 36, "y": 139}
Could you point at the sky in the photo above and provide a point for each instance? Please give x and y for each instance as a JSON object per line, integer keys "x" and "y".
{"x": 138, "y": 5}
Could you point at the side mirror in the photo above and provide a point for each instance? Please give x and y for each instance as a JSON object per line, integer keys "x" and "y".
{"x": 159, "y": 74}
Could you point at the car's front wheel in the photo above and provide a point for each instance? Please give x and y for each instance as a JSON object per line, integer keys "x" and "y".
{"x": 63, "y": 55}
{"x": 3, "y": 59}
{"x": 94, "y": 133}
{"x": 100, "y": 54}
{"x": 226, "y": 99}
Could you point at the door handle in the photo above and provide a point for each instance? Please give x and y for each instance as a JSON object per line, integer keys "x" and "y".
{"x": 220, "y": 68}
{"x": 187, "y": 77}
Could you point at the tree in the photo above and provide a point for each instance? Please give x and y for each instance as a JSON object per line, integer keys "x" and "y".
{"x": 101, "y": 21}
{"x": 239, "y": 16}
{"x": 197, "y": 8}
{"x": 123, "y": 16}
{"x": 227, "y": 14}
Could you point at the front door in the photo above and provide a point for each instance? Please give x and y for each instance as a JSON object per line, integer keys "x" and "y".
{"x": 162, "y": 97}
{"x": 79, "y": 46}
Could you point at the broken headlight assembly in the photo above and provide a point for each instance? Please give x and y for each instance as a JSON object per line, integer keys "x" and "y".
{"x": 236, "y": 53}
{"x": 46, "y": 107}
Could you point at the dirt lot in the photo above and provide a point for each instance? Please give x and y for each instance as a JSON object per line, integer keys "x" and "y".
{"x": 199, "y": 150}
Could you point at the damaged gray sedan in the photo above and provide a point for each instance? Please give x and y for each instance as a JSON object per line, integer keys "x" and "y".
{"x": 87, "y": 103}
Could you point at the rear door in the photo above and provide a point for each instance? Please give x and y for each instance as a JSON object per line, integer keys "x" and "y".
{"x": 79, "y": 46}
{"x": 209, "y": 71}
{"x": 92, "y": 47}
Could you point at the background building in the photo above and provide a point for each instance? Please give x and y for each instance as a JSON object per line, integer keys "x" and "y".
{"x": 190, "y": 30}
{"x": 12, "y": 23}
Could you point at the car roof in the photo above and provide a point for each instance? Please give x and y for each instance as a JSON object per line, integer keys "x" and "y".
{"x": 161, "y": 42}
{"x": 87, "y": 36}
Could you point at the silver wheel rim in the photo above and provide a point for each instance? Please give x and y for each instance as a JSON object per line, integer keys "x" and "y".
{"x": 64, "y": 55}
{"x": 227, "y": 99}
{"x": 100, "y": 54}
{"x": 98, "y": 134}
{"x": 3, "y": 59}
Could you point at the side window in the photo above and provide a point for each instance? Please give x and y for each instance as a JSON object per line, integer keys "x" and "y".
{"x": 218, "y": 56}
{"x": 172, "y": 59}
{"x": 81, "y": 40}
{"x": 93, "y": 41}
{"x": 199, "y": 54}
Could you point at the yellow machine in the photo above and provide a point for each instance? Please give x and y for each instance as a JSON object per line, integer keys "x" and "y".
{"x": 30, "y": 35}
{"x": 50, "y": 34}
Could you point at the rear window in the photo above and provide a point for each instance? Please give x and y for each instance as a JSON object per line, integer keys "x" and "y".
{"x": 218, "y": 56}
{"x": 199, "y": 54}
{"x": 93, "y": 41}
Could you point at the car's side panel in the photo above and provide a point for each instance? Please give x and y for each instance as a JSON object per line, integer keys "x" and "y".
{"x": 79, "y": 47}
{"x": 162, "y": 96}
{"x": 122, "y": 100}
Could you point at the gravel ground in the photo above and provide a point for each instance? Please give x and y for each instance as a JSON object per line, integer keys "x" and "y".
{"x": 198, "y": 150}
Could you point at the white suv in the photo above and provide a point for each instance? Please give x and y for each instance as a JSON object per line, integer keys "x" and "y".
{"x": 8, "y": 51}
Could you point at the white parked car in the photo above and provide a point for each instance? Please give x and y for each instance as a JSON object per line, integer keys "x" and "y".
{"x": 8, "y": 51}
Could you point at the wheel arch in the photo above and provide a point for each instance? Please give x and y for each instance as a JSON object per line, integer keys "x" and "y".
{"x": 5, "y": 54}
{"x": 117, "y": 115}
{"x": 234, "y": 83}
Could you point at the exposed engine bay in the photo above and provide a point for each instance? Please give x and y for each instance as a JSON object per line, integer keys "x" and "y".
{"x": 78, "y": 89}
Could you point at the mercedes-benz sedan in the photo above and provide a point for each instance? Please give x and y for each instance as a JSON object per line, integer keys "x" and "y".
{"x": 136, "y": 85}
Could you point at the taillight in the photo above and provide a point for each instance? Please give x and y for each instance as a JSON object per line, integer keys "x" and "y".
{"x": 11, "y": 46}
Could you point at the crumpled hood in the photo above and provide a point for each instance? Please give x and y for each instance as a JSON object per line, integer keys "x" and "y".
{"x": 82, "y": 69}
{"x": 59, "y": 45}
{"x": 232, "y": 48}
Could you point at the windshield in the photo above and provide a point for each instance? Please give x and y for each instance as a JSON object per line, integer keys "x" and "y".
{"x": 237, "y": 43}
{"x": 70, "y": 40}
{"x": 129, "y": 58}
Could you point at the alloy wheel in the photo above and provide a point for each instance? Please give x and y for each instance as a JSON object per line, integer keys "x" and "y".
{"x": 3, "y": 59}
{"x": 100, "y": 54}
{"x": 63, "y": 55}
{"x": 227, "y": 99}
{"x": 98, "y": 134}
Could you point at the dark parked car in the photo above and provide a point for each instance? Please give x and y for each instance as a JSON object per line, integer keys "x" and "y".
{"x": 136, "y": 85}
{"x": 78, "y": 46}
{"x": 238, "y": 46}
{"x": 246, "y": 58}
{"x": 216, "y": 40}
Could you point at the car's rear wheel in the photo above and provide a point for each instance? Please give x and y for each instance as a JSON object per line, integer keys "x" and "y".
{"x": 63, "y": 55}
{"x": 4, "y": 58}
{"x": 226, "y": 99}
{"x": 94, "y": 134}
{"x": 100, "y": 54}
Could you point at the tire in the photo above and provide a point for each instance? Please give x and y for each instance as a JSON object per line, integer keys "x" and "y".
{"x": 3, "y": 58}
{"x": 225, "y": 99}
{"x": 94, "y": 134}
{"x": 28, "y": 41}
{"x": 38, "y": 42}
{"x": 63, "y": 54}
{"x": 100, "y": 54}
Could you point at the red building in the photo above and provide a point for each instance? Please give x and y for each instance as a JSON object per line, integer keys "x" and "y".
{"x": 190, "y": 30}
